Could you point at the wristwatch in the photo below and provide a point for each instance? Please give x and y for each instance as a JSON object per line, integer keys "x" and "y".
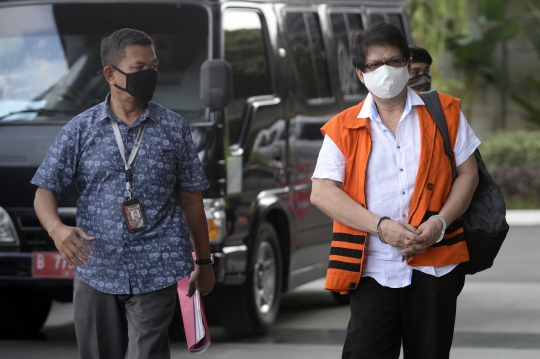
{"x": 205, "y": 261}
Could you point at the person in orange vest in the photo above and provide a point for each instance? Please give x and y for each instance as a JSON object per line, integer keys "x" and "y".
{"x": 382, "y": 174}
{"x": 419, "y": 78}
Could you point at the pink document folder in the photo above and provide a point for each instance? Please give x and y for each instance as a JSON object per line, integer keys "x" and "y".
{"x": 195, "y": 326}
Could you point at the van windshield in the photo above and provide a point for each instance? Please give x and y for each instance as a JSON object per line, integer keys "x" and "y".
{"x": 50, "y": 62}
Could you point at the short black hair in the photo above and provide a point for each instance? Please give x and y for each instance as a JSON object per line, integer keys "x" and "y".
{"x": 380, "y": 34}
{"x": 419, "y": 54}
{"x": 113, "y": 47}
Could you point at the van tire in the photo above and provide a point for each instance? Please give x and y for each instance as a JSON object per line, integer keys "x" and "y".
{"x": 251, "y": 309}
{"x": 23, "y": 311}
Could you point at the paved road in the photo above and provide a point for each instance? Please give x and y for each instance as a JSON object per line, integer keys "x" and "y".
{"x": 498, "y": 317}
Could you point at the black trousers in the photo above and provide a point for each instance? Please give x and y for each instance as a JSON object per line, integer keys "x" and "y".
{"x": 421, "y": 316}
{"x": 123, "y": 326}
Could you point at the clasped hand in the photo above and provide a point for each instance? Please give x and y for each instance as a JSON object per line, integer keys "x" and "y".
{"x": 409, "y": 239}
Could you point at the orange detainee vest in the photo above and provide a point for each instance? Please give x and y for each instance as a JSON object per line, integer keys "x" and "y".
{"x": 433, "y": 182}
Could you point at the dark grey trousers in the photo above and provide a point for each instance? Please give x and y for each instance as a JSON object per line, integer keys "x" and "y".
{"x": 124, "y": 326}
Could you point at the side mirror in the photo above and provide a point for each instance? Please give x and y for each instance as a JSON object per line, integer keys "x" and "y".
{"x": 216, "y": 83}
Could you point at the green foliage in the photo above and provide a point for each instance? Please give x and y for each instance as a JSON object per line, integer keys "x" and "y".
{"x": 530, "y": 83}
{"x": 533, "y": 113}
{"x": 475, "y": 52}
{"x": 519, "y": 185}
{"x": 513, "y": 159}
{"x": 515, "y": 149}
{"x": 520, "y": 203}
{"x": 534, "y": 36}
{"x": 490, "y": 29}
{"x": 475, "y": 31}
{"x": 432, "y": 22}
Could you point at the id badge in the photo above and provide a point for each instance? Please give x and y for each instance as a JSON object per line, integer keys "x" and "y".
{"x": 134, "y": 215}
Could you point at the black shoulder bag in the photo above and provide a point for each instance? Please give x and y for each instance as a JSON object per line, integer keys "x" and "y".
{"x": 485, "y": 221}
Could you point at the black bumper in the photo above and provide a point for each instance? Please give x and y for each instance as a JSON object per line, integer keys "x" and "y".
{"x": 16, "y": 271}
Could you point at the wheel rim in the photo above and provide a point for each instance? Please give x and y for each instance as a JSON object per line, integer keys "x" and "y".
{"x": 264, "y": 277}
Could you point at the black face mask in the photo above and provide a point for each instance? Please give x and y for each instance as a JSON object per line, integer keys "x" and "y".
{"x": 140, "y": 85}
{"x": 420, "y": 83}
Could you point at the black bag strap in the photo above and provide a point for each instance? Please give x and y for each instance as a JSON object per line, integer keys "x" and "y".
{"x": 433, "y": 105}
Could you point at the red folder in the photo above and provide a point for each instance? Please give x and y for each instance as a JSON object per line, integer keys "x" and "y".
{"x": 195, "y": 326}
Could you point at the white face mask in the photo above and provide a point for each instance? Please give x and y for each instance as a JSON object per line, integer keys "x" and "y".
{"x": 387, "y": 81}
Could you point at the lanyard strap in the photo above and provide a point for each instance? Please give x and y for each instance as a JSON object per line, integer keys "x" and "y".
{"x": 133, "y": 150}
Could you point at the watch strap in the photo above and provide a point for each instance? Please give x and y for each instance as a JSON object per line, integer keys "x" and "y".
{"x": 209, "y": 260}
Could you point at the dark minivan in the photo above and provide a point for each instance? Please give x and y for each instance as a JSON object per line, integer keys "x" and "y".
{"x": 255, "y": 80}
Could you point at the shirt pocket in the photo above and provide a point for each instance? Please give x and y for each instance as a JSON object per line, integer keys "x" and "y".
{"x": 99, "y": 166}
{"x": 161, "y": 163}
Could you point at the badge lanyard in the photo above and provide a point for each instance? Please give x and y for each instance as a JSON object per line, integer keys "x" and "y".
{"x": 133, "y": 151}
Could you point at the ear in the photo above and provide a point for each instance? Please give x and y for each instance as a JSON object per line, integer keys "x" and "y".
{"x": 108, "y": 73}
{"x": 360, "y": 75}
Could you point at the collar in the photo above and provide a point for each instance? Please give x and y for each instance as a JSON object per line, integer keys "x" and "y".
{"x": 369, "y": 110}
{"x": 105, "y": 112}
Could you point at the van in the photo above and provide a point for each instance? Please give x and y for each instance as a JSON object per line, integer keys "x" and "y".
{"x": 255, "y": 80}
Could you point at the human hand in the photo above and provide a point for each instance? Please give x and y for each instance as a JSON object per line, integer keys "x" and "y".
{"x": 398, "y": 234}
{"x": 428, "y": 233}
{"x": 201, "y": 279}
{"x": 73, "y": 250}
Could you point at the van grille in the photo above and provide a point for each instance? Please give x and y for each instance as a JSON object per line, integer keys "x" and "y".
{"x": 32, "y": 235}
{"x": 27, "y": 223}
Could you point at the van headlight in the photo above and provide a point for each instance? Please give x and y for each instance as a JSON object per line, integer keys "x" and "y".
{"x": 215, "y": 218}
{"x": 8, "y": 234}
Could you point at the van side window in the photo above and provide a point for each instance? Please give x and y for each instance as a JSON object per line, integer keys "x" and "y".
{"x": 376, "y": 18}
{"x": 245, "y": 50}
{"x": 344, "y": 25}
{"x": 306, "y": 41}
{"x": 391, "y": 18}
{"x": 397, "y": 21}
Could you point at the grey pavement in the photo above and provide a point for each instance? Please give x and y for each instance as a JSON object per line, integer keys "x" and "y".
{"x": 499, "y": 309}
{"x": 498, "y": 316}
{"x": 498, "y": 312}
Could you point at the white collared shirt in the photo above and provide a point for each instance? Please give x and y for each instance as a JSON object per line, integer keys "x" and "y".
{"x": 390, "y": 179}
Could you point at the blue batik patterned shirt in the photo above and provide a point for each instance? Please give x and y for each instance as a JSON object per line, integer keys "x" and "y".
{"x": 86, "y": 151}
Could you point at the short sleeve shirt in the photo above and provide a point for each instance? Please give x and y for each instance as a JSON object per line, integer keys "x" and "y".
{"x": 86, "y": 152}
